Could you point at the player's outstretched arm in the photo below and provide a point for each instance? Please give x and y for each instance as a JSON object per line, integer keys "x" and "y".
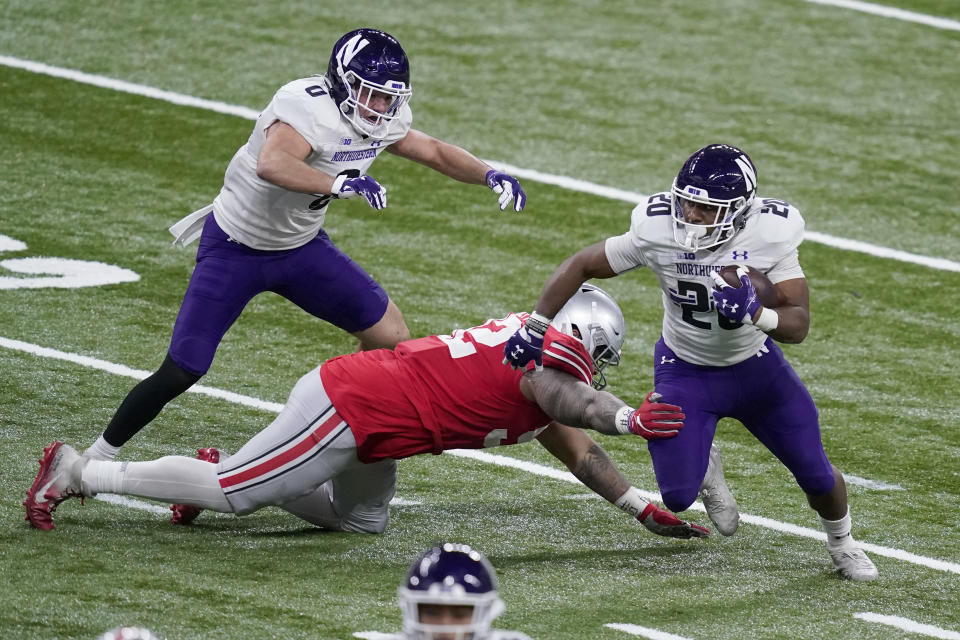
{"x": 459, "y": 164}
{"x": 568, "y": 400}
{"x": 588, "y": 461}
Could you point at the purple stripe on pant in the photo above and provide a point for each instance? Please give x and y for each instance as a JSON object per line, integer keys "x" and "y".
{"x": 763, "y": 392}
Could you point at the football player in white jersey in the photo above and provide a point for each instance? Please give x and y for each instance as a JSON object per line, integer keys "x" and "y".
{"x": 312, "y": 144}
{"x": 717, "y": 356}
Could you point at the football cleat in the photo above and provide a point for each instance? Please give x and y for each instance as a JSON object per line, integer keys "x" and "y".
{"x": 57, "y": 480}
{"x": 187, "y": 513}
{"x": 720, "y": 504}
{"x": 853, "y": 564}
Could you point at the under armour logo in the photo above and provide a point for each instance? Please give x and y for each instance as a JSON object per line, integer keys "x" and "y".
{"x": 732, "y": 308}
{"x": 517, "y": 350}
{"x": 737, "y": 255}
{"x": 666, "y": 360}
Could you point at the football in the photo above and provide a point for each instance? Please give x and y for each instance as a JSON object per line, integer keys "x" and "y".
{"x": 766, "y": 292}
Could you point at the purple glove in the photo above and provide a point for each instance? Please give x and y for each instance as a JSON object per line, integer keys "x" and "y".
{"x": 508, "y": 188}
{"x": 739, "y": 304}
{"x": 376, "y": 195}
{"x": 527, "y": 343}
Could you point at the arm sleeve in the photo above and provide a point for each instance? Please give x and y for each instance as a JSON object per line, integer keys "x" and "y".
{"x": 624, "y": 252}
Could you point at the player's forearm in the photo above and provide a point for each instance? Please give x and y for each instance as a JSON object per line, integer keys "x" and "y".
{"x": 576, "y": 404}
{"x": 289, "y": 172}
{"x": 458, "y": 163}
{"x": 793, "y": 323}
{"x": 596, "y": 471}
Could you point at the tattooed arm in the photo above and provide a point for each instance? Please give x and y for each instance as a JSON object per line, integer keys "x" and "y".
{"x": 586, "y": 460}
{"x": 569, "y": 401}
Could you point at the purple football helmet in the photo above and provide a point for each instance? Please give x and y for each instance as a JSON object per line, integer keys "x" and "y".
{"x": 368, "y": 65}
{"x": 450, "y": 574}
{"x": 720, "y": 176}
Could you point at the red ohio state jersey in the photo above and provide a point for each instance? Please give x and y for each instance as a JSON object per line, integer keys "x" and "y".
{"x": 444, "y": 392}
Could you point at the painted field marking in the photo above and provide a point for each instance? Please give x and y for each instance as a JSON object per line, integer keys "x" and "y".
{"x": 644, "y": 632}
{"x": 908, "y": 625}
{"x": 478, "y": 455}
{"x": 893, "y": 12}
{"x": 564, "y": 182}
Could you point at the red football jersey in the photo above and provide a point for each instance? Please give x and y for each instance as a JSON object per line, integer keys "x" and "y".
{"x": 444, "y": 392}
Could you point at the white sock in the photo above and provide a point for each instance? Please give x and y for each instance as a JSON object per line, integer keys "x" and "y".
{"x": 175, "y": 479}
{"x": 101, "y": 450}
{"x": 838, "y": 531}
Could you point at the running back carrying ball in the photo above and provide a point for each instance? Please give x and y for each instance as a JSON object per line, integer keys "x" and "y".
{"x": 767, "y": 293}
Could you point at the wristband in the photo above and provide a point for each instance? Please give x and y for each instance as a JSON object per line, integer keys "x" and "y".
{"x": 632, "y": 502}
{"x": 538, "y": 323}
{"x": 622, "y": 419}
{"x": 768, "y": 320}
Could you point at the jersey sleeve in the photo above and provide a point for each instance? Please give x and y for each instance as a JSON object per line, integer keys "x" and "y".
{"x": 306, "y": 112}
{"x": 784, "y": 232}
{"x": 649, "y": 228}
{"x": 567, "y": 354}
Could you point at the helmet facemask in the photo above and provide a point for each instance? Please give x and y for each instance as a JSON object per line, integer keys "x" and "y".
{"x": 485, "y": 607}
{"x": 356, "y": 106}
{"x": 728, "y": 220}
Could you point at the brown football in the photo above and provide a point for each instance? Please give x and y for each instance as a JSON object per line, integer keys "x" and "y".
{"x": 766, "y": 292}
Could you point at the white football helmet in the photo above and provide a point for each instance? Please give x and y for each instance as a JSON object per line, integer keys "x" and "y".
{"x": 593, "y": 316}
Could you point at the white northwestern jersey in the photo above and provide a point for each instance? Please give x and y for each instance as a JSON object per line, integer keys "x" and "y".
{"x": 262, "y": 215}
{"x": 692, "y": 326}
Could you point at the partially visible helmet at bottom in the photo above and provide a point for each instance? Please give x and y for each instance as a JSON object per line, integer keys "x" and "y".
{"x": 452, "y": 576}
{"x": 129, "y": 633}
{"x": 593, "y": 316}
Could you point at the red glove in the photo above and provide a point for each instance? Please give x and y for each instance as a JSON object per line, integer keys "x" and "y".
{"x": 663, "y": 523}
{"x": 655, "y": 420}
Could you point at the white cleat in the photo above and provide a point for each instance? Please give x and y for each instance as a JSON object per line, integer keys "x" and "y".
{"x": 853, "y": 564}
{"x": 720, "y": 504}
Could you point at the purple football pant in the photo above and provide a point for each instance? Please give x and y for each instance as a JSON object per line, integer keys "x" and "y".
{"x": 317, "y": 277}
{"x": 763, "y": 392}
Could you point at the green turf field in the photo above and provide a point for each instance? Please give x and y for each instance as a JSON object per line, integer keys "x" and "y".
{"x": 850, "y": 116}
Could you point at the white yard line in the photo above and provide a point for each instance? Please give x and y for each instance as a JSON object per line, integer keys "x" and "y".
{"x": 893, "y": 12}
{"x": 478, "y": 455}
{"x": 565, "y": 182}
{"x": 908, "y": 625}
{"x": 644, "y": 632}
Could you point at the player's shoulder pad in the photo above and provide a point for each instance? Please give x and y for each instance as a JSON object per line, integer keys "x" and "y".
{"x": 652, "y": 219}
{"x": 307, "y": 98}
{"x": 777, "y": 221}
{"x": 567, "y": 354}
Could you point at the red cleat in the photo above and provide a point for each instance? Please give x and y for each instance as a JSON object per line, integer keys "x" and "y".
{"x": 57, "y": 480}
{"x": 187, "y": 513}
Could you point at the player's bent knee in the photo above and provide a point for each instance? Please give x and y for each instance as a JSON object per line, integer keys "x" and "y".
{"x": 817, "y": 485}
{"x": 678, "y": 501}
